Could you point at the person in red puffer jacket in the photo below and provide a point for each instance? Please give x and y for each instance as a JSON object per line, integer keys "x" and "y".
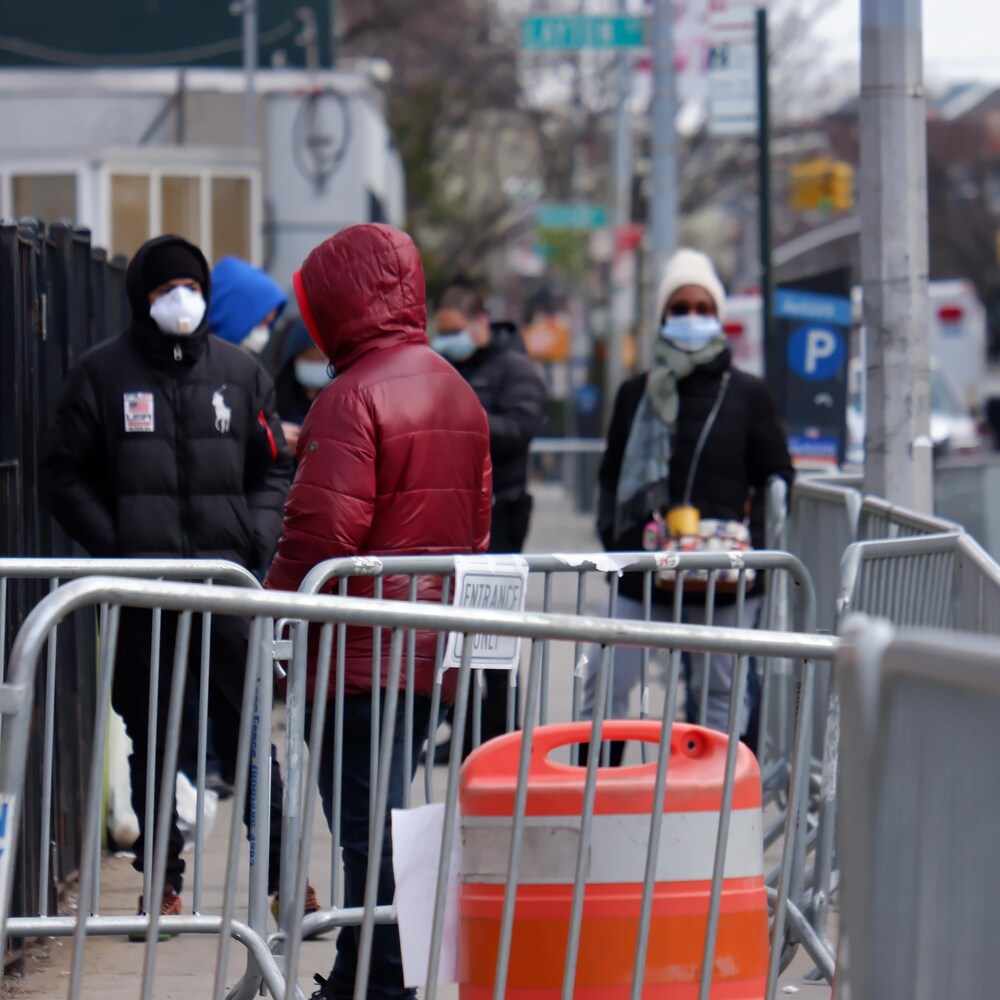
{"x": 394, "y": 459}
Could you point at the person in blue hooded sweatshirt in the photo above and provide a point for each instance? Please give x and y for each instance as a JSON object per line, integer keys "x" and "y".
{"x": 245, "y": 304}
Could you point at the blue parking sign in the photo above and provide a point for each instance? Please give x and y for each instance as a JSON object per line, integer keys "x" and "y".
{"x": 817, "y": 352}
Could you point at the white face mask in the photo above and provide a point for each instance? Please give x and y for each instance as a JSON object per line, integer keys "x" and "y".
{"x": 312, "y": 374}
{"x": 691, "y": 333}
{"x": 256, "y": 340}
{"x": 180, "y": 311}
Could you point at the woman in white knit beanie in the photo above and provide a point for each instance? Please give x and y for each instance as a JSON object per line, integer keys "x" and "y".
{"x": 691, "y": 432}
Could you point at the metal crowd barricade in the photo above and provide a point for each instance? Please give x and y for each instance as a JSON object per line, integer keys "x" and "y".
{"x": 823, "y": 522}
{"x": 68, "y": 693}
{"x": 546, "y": 570}
{"x": 881, "y": 519}
{"x": 919, "y": 834}
{"x": 782, "y": 684}
{"x": 400, "y": 619}
{"x": 908, "y": 581}
{"x": 945, "y": 581}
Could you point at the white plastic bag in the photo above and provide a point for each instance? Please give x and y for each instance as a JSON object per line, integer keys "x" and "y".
{"x": 187, "y": 809}
{"x": 123, "y": 826}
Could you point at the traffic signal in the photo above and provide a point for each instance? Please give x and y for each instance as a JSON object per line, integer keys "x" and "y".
{"x": 838, "y": 188}
{"x": 821, "y": 184}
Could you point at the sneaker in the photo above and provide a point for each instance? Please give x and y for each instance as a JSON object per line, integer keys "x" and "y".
{"x": 311, "y": 906}
{"x": 170, "y": 906}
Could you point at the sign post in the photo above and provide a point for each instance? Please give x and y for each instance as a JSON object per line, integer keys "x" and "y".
{"x": 732, "y": 69}
{"x": 812, "y": 330}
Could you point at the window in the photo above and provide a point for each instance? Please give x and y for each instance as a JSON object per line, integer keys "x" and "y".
{"x": 181, "y": 207}
{"x": 46, "y": 196}
{"x": 129, "y": 212}
{"x": 231, "y": 217}
{"x": 214, "y": 210}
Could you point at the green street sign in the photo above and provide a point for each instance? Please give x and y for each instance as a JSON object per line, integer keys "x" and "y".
{"x": 570, "y": 215}
{"x": 556, "y": 32}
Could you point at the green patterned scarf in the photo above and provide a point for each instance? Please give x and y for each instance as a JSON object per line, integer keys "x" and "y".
{"x": 644, "y": 479}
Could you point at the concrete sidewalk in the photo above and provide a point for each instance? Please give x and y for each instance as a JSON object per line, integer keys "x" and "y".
{"x": 185, "y": 965}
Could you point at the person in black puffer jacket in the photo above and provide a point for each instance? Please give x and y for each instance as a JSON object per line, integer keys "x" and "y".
{"x": 651, "y": 464}
{"x": 165, "y": 444}
{"x": 492, "y": 360}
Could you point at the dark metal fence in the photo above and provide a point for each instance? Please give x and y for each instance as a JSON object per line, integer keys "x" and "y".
{"x": 59, "y": 296}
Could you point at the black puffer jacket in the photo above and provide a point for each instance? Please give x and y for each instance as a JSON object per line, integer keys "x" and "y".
{"x": 513, "y": 397}
{"x": 167, "y": 446}
{"x": 747, "y": 446}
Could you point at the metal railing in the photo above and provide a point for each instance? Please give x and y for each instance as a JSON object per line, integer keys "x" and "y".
{"x": 546, "y": 571}
{"x": 918, "y": 768}
{"x": 944, "y": 581}
{"x": 792, "y": 607}
{"x": 66, "y": 693}
{"x": 400, "y": 619}
{"x": 881, "y": 519}
{"x": 573, "y": 462}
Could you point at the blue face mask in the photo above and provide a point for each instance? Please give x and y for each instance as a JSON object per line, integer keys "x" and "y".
{"x": 691, "y": 332}
{"x": 455, "y": 346}
{"x": 313, "y": 374}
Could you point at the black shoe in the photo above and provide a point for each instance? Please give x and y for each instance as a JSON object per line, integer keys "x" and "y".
{"x": 325, "y": 991}
{"x": 216, "y": 783}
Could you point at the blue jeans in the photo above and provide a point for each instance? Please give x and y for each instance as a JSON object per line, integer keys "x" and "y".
{"x": 386, "y": 975}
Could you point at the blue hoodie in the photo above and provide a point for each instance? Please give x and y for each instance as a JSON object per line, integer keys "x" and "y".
{"x": 242, "y": 296}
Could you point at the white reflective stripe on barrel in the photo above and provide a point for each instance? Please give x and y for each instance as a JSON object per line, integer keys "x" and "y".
{"x": 618, "y": 847}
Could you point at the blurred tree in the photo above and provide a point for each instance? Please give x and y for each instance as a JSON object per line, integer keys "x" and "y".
{"x": 478, "y": 122}
{"x": 454, "y": 106}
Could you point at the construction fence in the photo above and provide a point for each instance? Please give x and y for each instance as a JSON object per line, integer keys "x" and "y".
{"x": 58, "y": 296}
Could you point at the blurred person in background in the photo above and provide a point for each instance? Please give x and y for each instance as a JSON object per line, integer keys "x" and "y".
{"x": 393, "y": 460}
{"x": 165, "y": 444}
{"x": 303, "y": 370}
{"x": 246, "y": 303}
{"x": 693, "y": 431}
{"x": 493, "y": 362}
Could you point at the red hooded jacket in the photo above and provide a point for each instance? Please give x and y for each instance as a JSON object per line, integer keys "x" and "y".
{"x": 394, "y": 453}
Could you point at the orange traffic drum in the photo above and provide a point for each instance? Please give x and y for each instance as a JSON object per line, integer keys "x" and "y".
{"x": 615, "y": 869}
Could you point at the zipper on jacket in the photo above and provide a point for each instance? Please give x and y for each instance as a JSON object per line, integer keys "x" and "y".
{"x": 181, "y": 481}
{"x": 178, "y": 352}
{"x": 271, "y": 443}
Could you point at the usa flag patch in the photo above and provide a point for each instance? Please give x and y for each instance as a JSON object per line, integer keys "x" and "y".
{"x": 139, "y": 414}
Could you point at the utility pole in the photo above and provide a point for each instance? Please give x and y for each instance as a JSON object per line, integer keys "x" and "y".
{"x": 894, "y": 253}
{"x": 334, "y": 4}
{"x": 621, "y": 163}
{"x": 773, "y": 364}
{"x": 663, "y": 204}
{"x": 249, "y": 10}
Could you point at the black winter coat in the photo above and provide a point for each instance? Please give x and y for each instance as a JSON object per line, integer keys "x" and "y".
{"x": 746, "y": 447}
{"x": 513, "y": 397}
{"x": 167, "y": 446}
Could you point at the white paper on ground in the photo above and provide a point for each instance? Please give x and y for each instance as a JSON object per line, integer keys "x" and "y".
{"x": 416, "y": 853}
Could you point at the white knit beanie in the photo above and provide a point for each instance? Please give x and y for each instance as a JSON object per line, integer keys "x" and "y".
{"x": 690, "y": 267}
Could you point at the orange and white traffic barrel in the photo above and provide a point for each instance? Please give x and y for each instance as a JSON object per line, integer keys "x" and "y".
{"x": 616, "y": 869}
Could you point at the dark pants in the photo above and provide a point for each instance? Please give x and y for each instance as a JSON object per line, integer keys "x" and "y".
{"x": 130, "y": 698}
{"x": 386, "y": 975}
